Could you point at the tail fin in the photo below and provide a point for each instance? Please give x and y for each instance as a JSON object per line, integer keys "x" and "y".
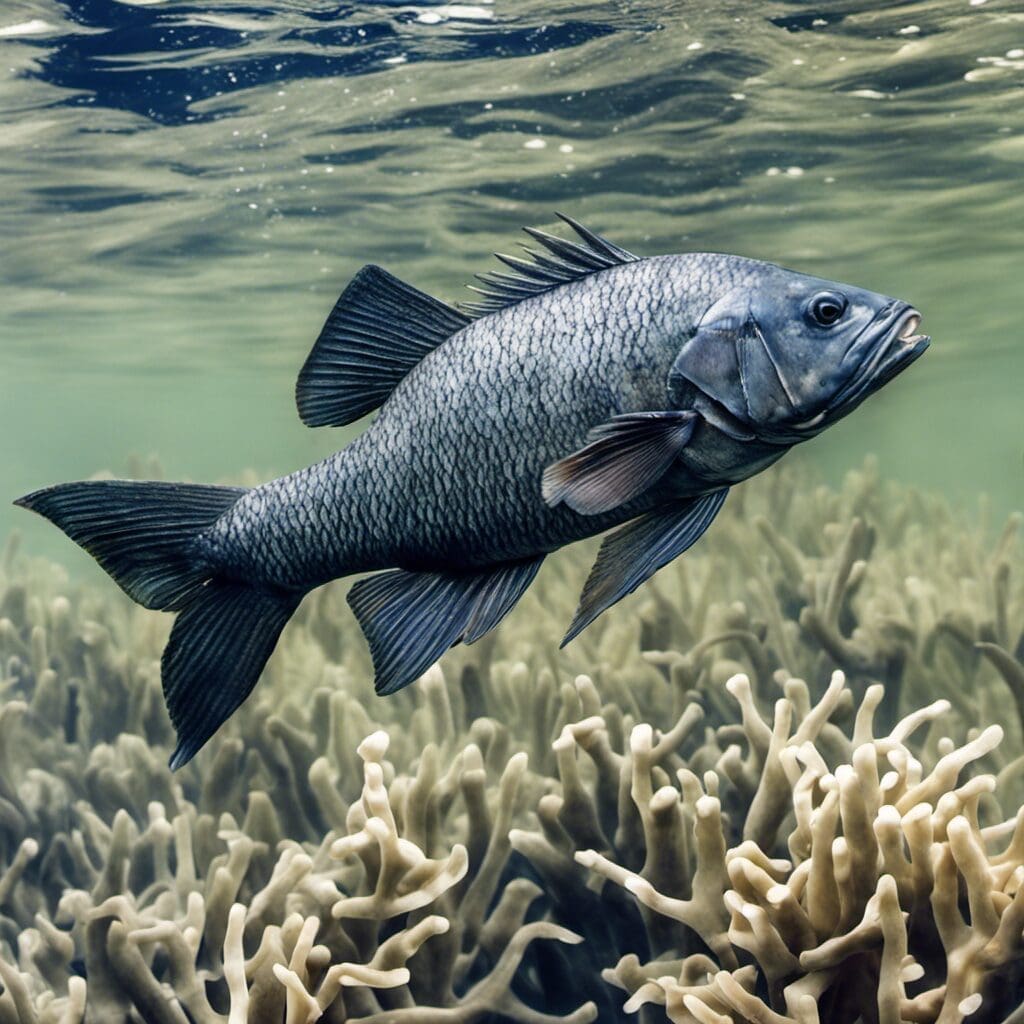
{"x": 217, "y": 650}
{"x": 144, "y": 535}
{"x": 141, "y": 532}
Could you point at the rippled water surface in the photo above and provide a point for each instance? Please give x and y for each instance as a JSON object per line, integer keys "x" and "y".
{"x": 187, "y": 187}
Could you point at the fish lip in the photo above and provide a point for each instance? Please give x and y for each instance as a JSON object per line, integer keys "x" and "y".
{"x": 893, "y": 346}
{"x": 903, "y": 349}
{"x": 909, "y": 325}
{"x": 897, "y": 345}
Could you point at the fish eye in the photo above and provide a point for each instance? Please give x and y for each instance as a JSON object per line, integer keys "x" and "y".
{"x": 826, "y": 308}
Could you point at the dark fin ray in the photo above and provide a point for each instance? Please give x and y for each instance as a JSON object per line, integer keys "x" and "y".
{"x": 597, "y": 243}
{"x": 411, "y": 618}
{"x": 532, "y": 268}
{"x": 217, "y": 650}
{"x": 567, "y": 261}
{"x": 379, "y": 329}
{"x": 142, "y": 533}
{"x": 625, "y": 456}
{"x": 635, "y": 552}
{"x": 570, "y": 253}
{"x": 499, "y": 597}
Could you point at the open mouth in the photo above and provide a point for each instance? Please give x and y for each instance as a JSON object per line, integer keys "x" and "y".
{"x": 902, "y": 349}
{"x": 897, "y": 348}
{"x": 908, "y": 329}
{"x": 898, "y": 344}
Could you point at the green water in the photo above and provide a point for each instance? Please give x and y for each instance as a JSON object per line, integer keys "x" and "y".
{"x": 168, "y": 257}
{"x": 187, "y": 185}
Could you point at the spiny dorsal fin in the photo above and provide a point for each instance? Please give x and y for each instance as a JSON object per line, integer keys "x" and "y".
{"x": 377, "y": 332}
{"x": 563, "y": 262}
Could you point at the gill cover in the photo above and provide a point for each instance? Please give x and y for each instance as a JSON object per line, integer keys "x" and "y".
{"x": 730, "y": 360}
{"x": 764, "y": 361}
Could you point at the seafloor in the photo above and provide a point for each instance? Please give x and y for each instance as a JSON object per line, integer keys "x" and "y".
{"x": 780, "y": 784}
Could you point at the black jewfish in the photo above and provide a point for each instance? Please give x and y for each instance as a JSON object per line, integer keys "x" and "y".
{"x": 588, "y": 389}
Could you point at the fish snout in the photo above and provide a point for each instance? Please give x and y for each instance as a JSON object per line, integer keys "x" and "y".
{"x": 886, "y": 348}
{"x": 902, "y": 344}
{"x": 906, "y": 329}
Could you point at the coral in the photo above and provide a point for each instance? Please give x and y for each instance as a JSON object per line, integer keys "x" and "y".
{"x": 730, "y": 843}
{"x": 386, "y": 935}
{"x": 880, "y": 847}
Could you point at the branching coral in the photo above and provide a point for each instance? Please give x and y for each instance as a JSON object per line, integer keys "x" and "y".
{"x": 880, "y": 850}
{"x": 821, "y": 855}
{"x": 343, "y": 942}
{"x": 148, "y": 888}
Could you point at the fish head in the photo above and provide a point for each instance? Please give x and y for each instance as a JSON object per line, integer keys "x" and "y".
{"x": 783, "y": 355}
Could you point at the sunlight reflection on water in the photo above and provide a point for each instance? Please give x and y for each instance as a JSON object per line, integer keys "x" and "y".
{"x": 189, "y": 187}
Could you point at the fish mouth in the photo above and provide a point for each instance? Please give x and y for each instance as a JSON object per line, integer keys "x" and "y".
{"x": 906, "y": 332}
{"x": 898, "y": 346}
{"x": 893, "y": 343}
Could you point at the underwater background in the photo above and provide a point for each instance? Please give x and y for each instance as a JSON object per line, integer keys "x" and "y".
{"x": 189, "y": 186}
{"x": 186, "y": 189}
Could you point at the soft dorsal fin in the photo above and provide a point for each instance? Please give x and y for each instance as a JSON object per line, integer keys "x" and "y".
{"x": 377, "y": 332}
{"x": 563, "y": 262}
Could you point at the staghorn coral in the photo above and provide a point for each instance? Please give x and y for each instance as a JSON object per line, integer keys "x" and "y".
{"x": 880, "y": 847}
{"x": 162, "y": 929}
{"x": 130, "y": 894}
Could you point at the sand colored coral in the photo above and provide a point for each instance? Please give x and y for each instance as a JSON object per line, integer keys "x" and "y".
{"x": 781, "y": 783}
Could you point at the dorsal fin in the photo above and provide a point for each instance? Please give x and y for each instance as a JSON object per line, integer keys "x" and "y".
{"x": 563, "y": 262}
{"x": 377, "y": 332}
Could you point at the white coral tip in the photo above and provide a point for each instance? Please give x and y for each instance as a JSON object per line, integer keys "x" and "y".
{"x": 911, "y": 972}
{"x": 888, "y": 815}
{"x": 737, "y": 684}
{"x": 641, "y": 738}
{"x": 708, "y": 806}
{"x": 970, "y": 1005}
{"x": 374, "y": 747}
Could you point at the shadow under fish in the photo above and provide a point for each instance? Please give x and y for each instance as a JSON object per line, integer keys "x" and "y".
{"x": 587, "y": 389}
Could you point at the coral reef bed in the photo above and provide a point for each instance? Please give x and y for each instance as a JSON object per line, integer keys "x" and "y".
{"x": 779, "y": 784}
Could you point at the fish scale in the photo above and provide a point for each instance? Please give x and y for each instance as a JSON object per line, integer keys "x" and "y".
{"x": 589, "y": 389}
{"x": 425, "y": 512}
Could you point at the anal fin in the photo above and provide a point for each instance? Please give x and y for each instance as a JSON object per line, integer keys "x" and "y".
{"x": 635, "y": 552}
{"x": 411, "y": 618}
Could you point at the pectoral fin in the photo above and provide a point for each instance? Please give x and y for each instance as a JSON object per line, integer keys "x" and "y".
{"x": 623, "y": 458}
{"x": 635, "y": 552}
{"x": 411, "y": 618}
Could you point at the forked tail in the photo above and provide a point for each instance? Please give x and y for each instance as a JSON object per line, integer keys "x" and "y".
{"x": 144, "y": 535}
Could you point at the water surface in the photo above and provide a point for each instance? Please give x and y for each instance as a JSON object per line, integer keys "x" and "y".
{"x": 187, "y": 187}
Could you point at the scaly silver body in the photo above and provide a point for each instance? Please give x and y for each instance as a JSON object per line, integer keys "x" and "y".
{"x": 448, "y": 474}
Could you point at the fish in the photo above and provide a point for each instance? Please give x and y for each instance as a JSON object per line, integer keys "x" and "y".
{"x": 585, "y": 390}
